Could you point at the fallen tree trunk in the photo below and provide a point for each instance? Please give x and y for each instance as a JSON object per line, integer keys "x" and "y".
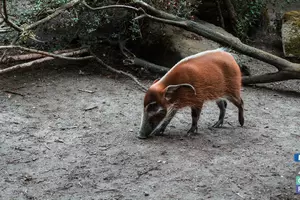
{"x": 246, "y": 80}
{"x": 286, "y": 70}
{"x": 289, "y": 70}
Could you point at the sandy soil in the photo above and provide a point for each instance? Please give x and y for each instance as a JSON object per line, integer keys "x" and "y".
{"x": 57, "y": 142}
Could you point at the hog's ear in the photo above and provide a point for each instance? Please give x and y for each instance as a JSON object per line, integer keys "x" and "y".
{"x": 153, "y": 108}
{"x": 170, "y": 90}
{"x": 156, "y": 80}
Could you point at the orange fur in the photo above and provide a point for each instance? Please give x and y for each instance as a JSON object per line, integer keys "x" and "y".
{"x": 213, "y": 75}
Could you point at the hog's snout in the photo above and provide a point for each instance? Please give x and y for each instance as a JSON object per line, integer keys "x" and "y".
{"x": 145, "y": 128}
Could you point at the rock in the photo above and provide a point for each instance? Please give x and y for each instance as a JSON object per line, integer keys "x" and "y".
{"x": 290, "y": 32}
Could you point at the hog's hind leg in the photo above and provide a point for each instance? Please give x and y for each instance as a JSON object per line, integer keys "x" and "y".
{"x": 222, "y": 104}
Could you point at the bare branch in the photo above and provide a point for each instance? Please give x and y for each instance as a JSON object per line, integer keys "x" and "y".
{"x": 120, "y": 72}
{"x": 12, "y": 43}
{"x": 42, "y": 52}
{"x": 153, "y": 11}
{"x": 109, "y": 7}
{"x": 57, "y": 12}
{"x": 5, "y": 17}
{"x": 6, "y": 30}
{"x": 24, "y": 57}
{"x": 15, "y": 93}
{"x": 28, "y": 64}
{"x": 13, "y": 25}
{"x": 53, "y": 15}
{"x": 140, "y": 17}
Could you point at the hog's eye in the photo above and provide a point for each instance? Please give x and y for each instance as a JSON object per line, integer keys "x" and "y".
{"x": 154, "y": 110}
{"x": 152, "y": 107}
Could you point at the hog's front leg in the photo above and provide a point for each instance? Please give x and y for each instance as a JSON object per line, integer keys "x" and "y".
{"x": 159, "y": 130}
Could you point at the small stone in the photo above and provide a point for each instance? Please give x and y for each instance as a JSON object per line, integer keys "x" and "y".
{"x": 146, "y": 194}
{"x": 159, "y": 161}
{"x": 164, "y": 162}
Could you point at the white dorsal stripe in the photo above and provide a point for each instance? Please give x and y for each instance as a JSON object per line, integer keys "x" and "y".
{"x": 193, "y": 56}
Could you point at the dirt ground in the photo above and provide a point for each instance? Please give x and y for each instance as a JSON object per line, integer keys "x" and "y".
{"x": 58, "y": 142}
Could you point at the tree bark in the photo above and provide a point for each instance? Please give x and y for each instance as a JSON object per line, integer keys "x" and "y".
{"x": 234, "y": 43}
{"x": 44, "y": 59}
{"x": 147, "y": 65}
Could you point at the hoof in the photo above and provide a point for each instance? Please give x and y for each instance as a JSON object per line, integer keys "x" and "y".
{"x": 158, "y": 132}
{"x": 193, "y": 130}
{"x": 218, "y": 124}
{"x": 141, "y": 137}
{"x": 241, "y": 121}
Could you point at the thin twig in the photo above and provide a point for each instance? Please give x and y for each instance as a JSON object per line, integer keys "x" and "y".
{"x": 21, "y": 30}
{"x": 57, "y": 12}
{"x": 47, "y": 146}
{"x": 140, "y": 17}
{"x": 7, "y": 21}
{"x": 90, "y": 108}
{"x": 139, "y": 174}
{"x": 12, "y": 43}
{"x": 16, "y": 93}
{"x": 24, "y": 57}
{"x": 120, "y": 72}
{"x": 87, "y": 91}
{"x": 109, "y": 7}
{"x": 239, "y": 195}
{"x": 5, "y": 30}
